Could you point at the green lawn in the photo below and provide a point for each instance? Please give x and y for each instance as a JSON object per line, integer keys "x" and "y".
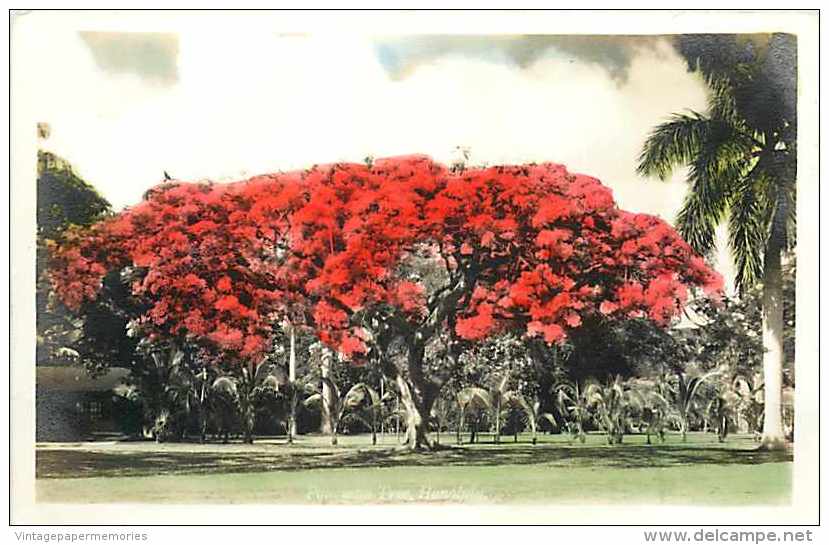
{"x": 699, "y": 472}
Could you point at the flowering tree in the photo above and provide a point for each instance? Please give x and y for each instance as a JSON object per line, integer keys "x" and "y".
{"x": 385, "y": 260}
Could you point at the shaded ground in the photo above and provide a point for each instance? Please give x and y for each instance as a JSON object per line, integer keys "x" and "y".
{"x": 700, "y": 471}
{"x": 146, "y": 458}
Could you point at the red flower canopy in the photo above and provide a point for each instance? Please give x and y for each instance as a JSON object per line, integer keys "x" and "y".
{"x": 530, "y": 246}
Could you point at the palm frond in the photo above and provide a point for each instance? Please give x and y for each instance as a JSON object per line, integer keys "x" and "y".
{"x": 313, "y": 400}
{"x": 721, "y": 161}
{"x": 474, "y": 397}
{"x": 334, "y": 391}
{"x": 549, "y": 418}
{"x": 673, "y": 144}
{"x": 748, "y": 229}
{"x": 371, "y": 394}
{"x": 354, "y": 396}
{"x": 225, "y": 384}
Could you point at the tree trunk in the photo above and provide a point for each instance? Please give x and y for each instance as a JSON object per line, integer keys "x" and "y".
{"x": 773, "y": 436}
{"x": 397, "y": 417}
{"x": 418, "y": 406}
{"x": 382, "y": 397}
{"x": 498, "y": 422}
{"x": 326, "y": 425}
{"x": 292, "y": 381}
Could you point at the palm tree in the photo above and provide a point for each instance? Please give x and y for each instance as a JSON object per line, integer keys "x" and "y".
{"x": 244, "y": 388}
{"x": 615, "y": 404}
{"x": 499, "y": 398}
{"x": 657, "y": 410}
{"x": 742, "y": 158}
{"x": 337, "y": 405}
{"x": 574, "y": 406}
{"x": 750, "y": 403}
{"x": 442, "y": 411}
{"x": 723, "y": 408}
{"x": 373, "y": 408}
{"x": 532, "y": 414}
{"x": 188, "y": 390}
{"x": 684, "y": 390}
{"x": 471, "y": 400}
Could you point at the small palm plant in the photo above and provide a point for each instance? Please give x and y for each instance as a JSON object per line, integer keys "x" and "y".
{"x": 750, "y": 404}
{"x": 472, "y": 401}
{"x": 222, "y": 407}
{"x": 499, "y": 399}
{"x": 157, "y": 403}
{"x": 337, "y": 405}
{"x": 225, "y": 387}
{"x": 373, "y": 409}
{"x": 574, "y": 406}
{"x": 532, "y": 414}
{"x": 657, "y": 412}
{"x": 246, "y": 386}
{"x": 188, "y": 389}
{"x": 442, "y": 412}
{"x": 733, "y": 399}
{"x": 721, "y": 411}
{"x": 685, "y": 389}
{"x": 615, "y": 404}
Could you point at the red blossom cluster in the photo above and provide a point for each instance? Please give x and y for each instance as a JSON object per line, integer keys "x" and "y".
{"x": 537, "y": 247}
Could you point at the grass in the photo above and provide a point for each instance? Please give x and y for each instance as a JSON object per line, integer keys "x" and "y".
{"x": 699, "y": 472}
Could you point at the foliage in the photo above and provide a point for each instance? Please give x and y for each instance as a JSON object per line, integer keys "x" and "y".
{"x": 533, "y": 414}
{"x": 615, "y": 405}
{"x": 574, "y": 405}
{"x": 255, "y": 239}
{"x": 742, "y": 155}
{"x": 657, "y": 411}
{"x": 473, "y": 402}
{"x": 372, "y": 411}
{"x": 685, "y": 389}
{"x": 338, "y": 404}
{"x": 742, "y": 152}
{"x": 530, "y": 248}
{"x": 442, "y": 411}
{"x": 252, "y": 387}
{"x": 65, "y": 200}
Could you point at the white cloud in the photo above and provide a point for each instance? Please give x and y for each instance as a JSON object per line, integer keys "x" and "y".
{"x": 246, "y": 104}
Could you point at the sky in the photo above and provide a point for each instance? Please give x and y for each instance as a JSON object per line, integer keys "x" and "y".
{"x": 126, "y": 107}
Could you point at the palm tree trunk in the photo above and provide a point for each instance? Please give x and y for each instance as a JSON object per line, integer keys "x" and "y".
{"x": 773, "y": 436}
{"x": 292, "y": 380}
{"x": 498, "y": 422}
{"x": 325, "y": 370}
{"x": 382, "y": 397}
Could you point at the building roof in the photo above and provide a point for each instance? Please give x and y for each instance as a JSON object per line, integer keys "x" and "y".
{"x": 76, "y": 379}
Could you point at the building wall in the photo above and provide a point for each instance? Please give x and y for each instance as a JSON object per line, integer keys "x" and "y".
{"x": 72, "y": 406}
{"x": 56, "y": 415}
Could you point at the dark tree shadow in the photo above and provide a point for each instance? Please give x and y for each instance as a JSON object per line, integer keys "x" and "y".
{"x": 71, "y": 463}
